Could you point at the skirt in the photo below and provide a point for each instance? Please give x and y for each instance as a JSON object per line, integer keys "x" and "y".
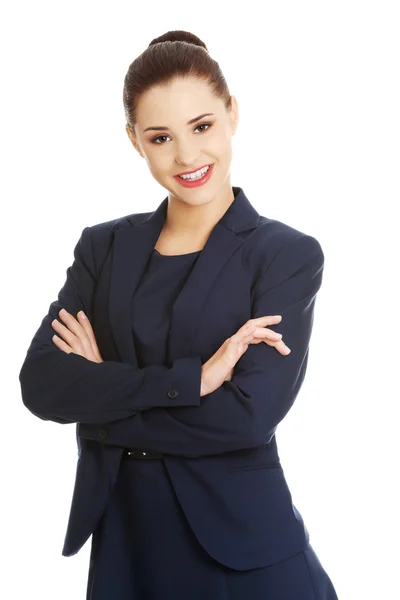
{"x": 143, "y": 548}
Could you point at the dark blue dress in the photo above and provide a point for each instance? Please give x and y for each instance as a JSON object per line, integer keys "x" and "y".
{"x": 143, "y": 547}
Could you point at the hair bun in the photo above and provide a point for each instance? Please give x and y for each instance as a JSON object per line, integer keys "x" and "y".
{"x": 178, "y": 35}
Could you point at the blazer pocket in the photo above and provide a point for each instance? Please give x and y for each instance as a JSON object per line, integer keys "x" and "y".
{"x": 252, "y": 458}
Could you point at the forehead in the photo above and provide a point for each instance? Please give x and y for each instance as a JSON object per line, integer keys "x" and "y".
{"x": 176, "y": 102}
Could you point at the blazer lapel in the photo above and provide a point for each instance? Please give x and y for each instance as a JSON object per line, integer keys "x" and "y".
{"x": 131, "y": 251}
{"x": 132, "y": 248}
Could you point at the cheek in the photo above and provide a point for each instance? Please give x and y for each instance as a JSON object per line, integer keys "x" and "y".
{"x": 222, "y": 150}
{"x": 158, "y": 162}
{"x": 220, "y": 141}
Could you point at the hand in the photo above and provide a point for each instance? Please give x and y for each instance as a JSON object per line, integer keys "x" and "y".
{"x": 220, "y": 366}
{"x": 78, "y": 335}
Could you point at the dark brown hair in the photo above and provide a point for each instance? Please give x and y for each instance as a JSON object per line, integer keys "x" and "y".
{"x": 173, "y": 54}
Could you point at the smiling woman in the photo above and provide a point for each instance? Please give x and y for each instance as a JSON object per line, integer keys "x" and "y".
{"x": 176, "y": 399}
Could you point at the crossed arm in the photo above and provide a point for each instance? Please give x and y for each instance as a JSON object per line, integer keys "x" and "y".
{"x": 242, "y": 413}
{"x": 68, "y": 388}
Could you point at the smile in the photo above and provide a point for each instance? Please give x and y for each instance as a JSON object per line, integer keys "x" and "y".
{"x": 197, "y": 178}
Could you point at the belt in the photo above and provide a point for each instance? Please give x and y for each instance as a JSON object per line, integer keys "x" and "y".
{"x": 130, "y": 453}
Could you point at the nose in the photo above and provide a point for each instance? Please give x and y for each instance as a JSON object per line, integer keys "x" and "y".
{"x": 186, "y": 154}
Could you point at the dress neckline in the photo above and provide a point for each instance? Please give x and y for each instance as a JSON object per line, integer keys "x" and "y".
{"x": 175, "y": 255}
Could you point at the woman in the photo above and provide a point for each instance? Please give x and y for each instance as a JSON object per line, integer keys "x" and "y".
{"x": 174, "y": 378}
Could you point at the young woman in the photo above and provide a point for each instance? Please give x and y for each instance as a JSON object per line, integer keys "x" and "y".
{"x": 161, "y": 347}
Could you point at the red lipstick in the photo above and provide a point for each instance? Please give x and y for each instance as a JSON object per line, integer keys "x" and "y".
{"x": 189, "y": 183}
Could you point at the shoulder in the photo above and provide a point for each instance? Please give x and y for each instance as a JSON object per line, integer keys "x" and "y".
{"x": 108, "y": 228}
{"x": 277, "y": 235}
{"x": 272, "y": 238}
{"x": 96, "y": 240}
{"x": 100, "y": 233}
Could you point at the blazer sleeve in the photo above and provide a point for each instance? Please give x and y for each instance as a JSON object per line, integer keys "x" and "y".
{"x": 243, "y": 412}
{"x": 68, "y": 388}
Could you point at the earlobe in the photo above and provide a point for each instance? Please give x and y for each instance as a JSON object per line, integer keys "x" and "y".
{"x": 133, "y": 140}
{"x": 137, "y": 149}
{"x": 234, "y": 125}
{"x": 234, "y": 114}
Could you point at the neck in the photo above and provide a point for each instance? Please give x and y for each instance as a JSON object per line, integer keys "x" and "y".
{"x": 196, "y": 222}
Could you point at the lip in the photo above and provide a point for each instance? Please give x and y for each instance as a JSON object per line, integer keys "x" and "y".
{"x": 191, "y": 184}
{"x": 194, "y": 170}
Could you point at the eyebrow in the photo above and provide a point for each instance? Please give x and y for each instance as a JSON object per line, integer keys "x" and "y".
{"x": 162, "y": 127}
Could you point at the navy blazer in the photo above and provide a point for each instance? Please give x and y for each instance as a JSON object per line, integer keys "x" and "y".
{"x": 220, "y": 449}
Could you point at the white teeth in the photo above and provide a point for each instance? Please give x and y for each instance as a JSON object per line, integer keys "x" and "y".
{"x": 197, "y": 175}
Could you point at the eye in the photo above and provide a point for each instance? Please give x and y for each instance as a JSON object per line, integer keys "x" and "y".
{"x": 208, "y": 125}
{"x": 154, "y": 141}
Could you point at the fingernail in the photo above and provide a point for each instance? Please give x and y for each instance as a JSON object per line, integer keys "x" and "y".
{"x": 82, "y": 314}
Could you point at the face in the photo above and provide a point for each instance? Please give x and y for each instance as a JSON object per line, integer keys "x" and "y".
{"x": 177, "y": 146}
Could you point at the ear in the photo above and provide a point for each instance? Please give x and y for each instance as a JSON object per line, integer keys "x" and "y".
{"x": 133, "y": 139}
{"x": 234, "y": 114}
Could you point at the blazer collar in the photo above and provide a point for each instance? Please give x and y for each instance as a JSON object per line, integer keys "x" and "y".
{"x": 132, "y": 247}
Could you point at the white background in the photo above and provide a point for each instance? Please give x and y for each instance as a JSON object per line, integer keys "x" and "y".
{"x": 317, "y": 147}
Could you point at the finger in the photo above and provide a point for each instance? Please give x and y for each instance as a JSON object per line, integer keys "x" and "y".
{"x": 87, "y": 326}
{"x": 61, "y": 345}
{"x": 267, "y": 320}
{"x": 74, "y": 334}
{"x": 246, "y": 330}
{"x": 73, "y": 325}
{"x": 271, "y": 338}
{"x": 280, "y": 346}
{"x": 76, "y": 348}
{"x": 262, "y": 332}
{"x": 245, "y": 333}
{"x": 259, "y": 322}
{"x": 250, "y": 331}
{"x": 70, "y": 338}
